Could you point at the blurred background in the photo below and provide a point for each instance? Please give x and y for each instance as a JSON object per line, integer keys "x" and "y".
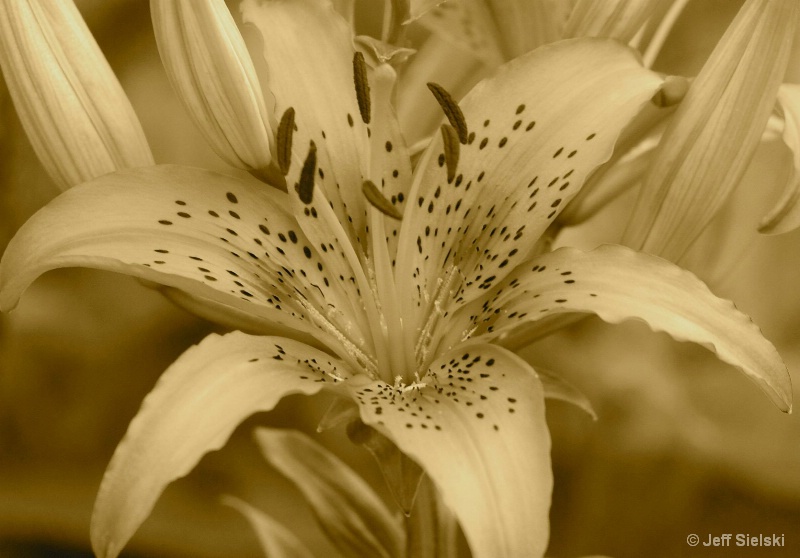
{"x": 683, "y": 444}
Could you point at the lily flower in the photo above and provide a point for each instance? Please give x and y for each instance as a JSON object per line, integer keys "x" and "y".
{"x": 72, "y": 107}
{"x": 408, "y": 283}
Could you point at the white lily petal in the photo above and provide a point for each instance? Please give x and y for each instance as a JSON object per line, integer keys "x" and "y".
{"x": 618, "y": 284}
{"x": 276, "y": 540}
{"x": 524, "y": 25}
{"x": 309, "y": 50}
{"x": 705, "y": 151}
{"x": 226, "y": 239}
{"x": 477, "y": 427}
{"x": 350, "y": 513}
{"x": 347, "y": 9}
{"x": 210, "y": 69}
{"x": 72, "y": 107}
{"x": 536, "y": 130}
{"x": 468, "y": 25}
{"x": 615, "y": 19}
{"x": 785, "y": 216}
{"x": 499, "y": 30}
{"x": 192, "y": 410}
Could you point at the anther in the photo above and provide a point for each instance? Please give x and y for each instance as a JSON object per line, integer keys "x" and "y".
{"x": 362, "y": 86}
{"x": 379, "y": 202}
{"x": 452, "y": 149}
{"x": 305, "y": 188}
{"x": 451, "y": 110}
{"x": 284, "y": 140}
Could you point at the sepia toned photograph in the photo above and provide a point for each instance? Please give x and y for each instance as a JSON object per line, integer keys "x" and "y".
{"x": 399, "y": 278}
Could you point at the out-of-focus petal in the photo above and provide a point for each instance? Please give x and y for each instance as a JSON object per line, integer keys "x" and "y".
{"x": 618, "y": 284}
{"x": 210, "y": 69}
{"x": 192, "y": 410}
{"x": 615, "y": 19}
{"x": 348, "y": 510}
{"x": 468, "y": 25}
{"x": 499, "y": 30}
{"x": 477, "y": 428}
{"x": 276, "y": 540}
{"x": 418, "y": 8}
{"x": 785, "y": 216}
{"x": 73, "y": 109}
{"x": 715, "y": 131}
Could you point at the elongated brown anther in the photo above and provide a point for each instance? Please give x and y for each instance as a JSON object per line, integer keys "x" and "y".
{"x": 451, "y": 110}
{"x": 379, "y": 202}
{"x": 284, "y": 140}
{"x": 305, "y": 188}
{"x": 452, "y": 150}
{"x": 362, "y": 86}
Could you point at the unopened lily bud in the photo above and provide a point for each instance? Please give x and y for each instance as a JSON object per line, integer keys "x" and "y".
{"x": 73, "y": 109}
{"x": 210, "y": 69}
{"x": 715, "y": 131}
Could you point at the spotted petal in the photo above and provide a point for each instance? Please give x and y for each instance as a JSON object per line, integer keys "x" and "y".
{"x": 309, "y": 50}
{"x": 616, "y": 19}
{"x": 478, "y": 429}
{"x": 536, "y": 130}
{"x": 192, "y": 410}
{"x": 348, "y": 510}
{"x": 228, "y": 240}
{"x": 618, "y": 284}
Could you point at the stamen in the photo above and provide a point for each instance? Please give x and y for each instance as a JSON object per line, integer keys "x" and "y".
{"x": 451, "y": 110}
{"x": 426, "y": 340}
{"x": 284, "y": 140}
{"x": 378, "y": 201}
{"x": 362, "y": 86}
{"x": 351, "y": 350}
{"x": 305, "y": 188}
{"x": 452, "y": 149}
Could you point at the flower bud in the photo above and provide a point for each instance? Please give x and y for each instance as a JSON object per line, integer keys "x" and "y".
{"x": 210, "y": 69}
{"x": 72, "y": 107}
{"x": 714, "y": 133}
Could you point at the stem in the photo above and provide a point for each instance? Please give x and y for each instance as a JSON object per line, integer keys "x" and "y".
{"x": 431, "y": 529}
